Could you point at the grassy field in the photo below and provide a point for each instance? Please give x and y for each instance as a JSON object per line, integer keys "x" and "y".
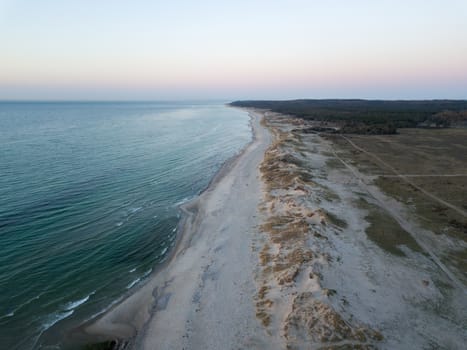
{"x": 424, "y": 169}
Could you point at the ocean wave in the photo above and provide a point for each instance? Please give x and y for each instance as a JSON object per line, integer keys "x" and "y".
{"x": 132, "y": 270}
{"x": 74, "y": 304}
{"x": 134, "y": 210}
{"x": 183, "y": 201}
{"x": 54, "y": 318}
{"x": 12, "y": 313}
{"x": 69, "y": 309}
{"x": 164, "y": 251}
{"x": 132, "y": 284}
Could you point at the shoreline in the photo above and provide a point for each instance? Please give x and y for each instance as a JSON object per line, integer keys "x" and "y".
{"x": 281, "y": 250}
{"x": 124, "y": 321}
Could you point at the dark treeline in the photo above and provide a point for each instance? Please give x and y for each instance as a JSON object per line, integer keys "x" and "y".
{"x": 369, "y": 116}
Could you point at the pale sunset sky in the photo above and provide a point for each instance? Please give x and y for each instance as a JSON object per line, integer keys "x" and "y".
{"x": 242, "y": 49}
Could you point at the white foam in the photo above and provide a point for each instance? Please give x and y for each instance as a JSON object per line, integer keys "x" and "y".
{"x": 183, "y": 201}
{"x": 163, "y": 251}
{"x": 119, "y": 223}
{"x": 74, "y": 304}
{"x": 147, "y": 273}
{"x": 132, "y": 270}
{"x": 133, "y": 283}
{"x": 10, "y": 314}
{"x": 54, "y": 318}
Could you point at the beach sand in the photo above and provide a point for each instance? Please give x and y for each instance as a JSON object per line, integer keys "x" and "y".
{"x": 204, "y": 298}
{"x": 291, "y": 247}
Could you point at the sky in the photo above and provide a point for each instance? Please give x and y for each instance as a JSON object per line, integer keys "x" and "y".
{"x": 242, "y": 49}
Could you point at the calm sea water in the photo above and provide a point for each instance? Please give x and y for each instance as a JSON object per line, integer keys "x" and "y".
{"x": 89, "y": 196}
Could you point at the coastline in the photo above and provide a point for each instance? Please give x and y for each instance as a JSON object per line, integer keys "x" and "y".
{"x": 280, "y": 251}
{"x": 128, "y": 320}
{"x": 108, "y": 223}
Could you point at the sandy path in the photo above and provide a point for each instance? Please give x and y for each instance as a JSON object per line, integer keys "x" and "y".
{"x": 204, "y": 298}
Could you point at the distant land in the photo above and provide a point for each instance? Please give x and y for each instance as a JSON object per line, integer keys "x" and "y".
{"x": 355, "y": 116}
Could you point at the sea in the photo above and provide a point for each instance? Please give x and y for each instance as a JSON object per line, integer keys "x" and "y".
{"x": 89, "y": 203}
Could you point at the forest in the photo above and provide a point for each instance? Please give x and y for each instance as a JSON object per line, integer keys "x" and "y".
{"x": 370, "y": 116}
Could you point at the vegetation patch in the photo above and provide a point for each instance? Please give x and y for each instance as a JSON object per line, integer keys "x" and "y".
{"x": 386, "y": 232}
{"x": 319, "y": 323}
{"x": 335, "y": 220}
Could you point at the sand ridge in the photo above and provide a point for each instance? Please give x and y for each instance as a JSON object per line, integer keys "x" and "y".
{"x": 292, "y": 301}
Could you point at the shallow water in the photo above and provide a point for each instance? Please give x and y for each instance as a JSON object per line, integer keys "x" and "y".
{"x": 89, "y": 196}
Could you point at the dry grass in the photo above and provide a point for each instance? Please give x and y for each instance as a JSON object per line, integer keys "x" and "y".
{"x": 288, "y": 226}
{"x": 265, "y": 257}
{"x": 317, "y": 322}
{"x": 264, "y": 317}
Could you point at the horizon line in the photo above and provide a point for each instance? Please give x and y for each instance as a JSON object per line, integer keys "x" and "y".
{"x": 219, "y": 100}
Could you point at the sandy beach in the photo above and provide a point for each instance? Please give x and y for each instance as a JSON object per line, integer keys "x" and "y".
{"x": 204, "y": 297}
{"x": 292, "y": 247}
